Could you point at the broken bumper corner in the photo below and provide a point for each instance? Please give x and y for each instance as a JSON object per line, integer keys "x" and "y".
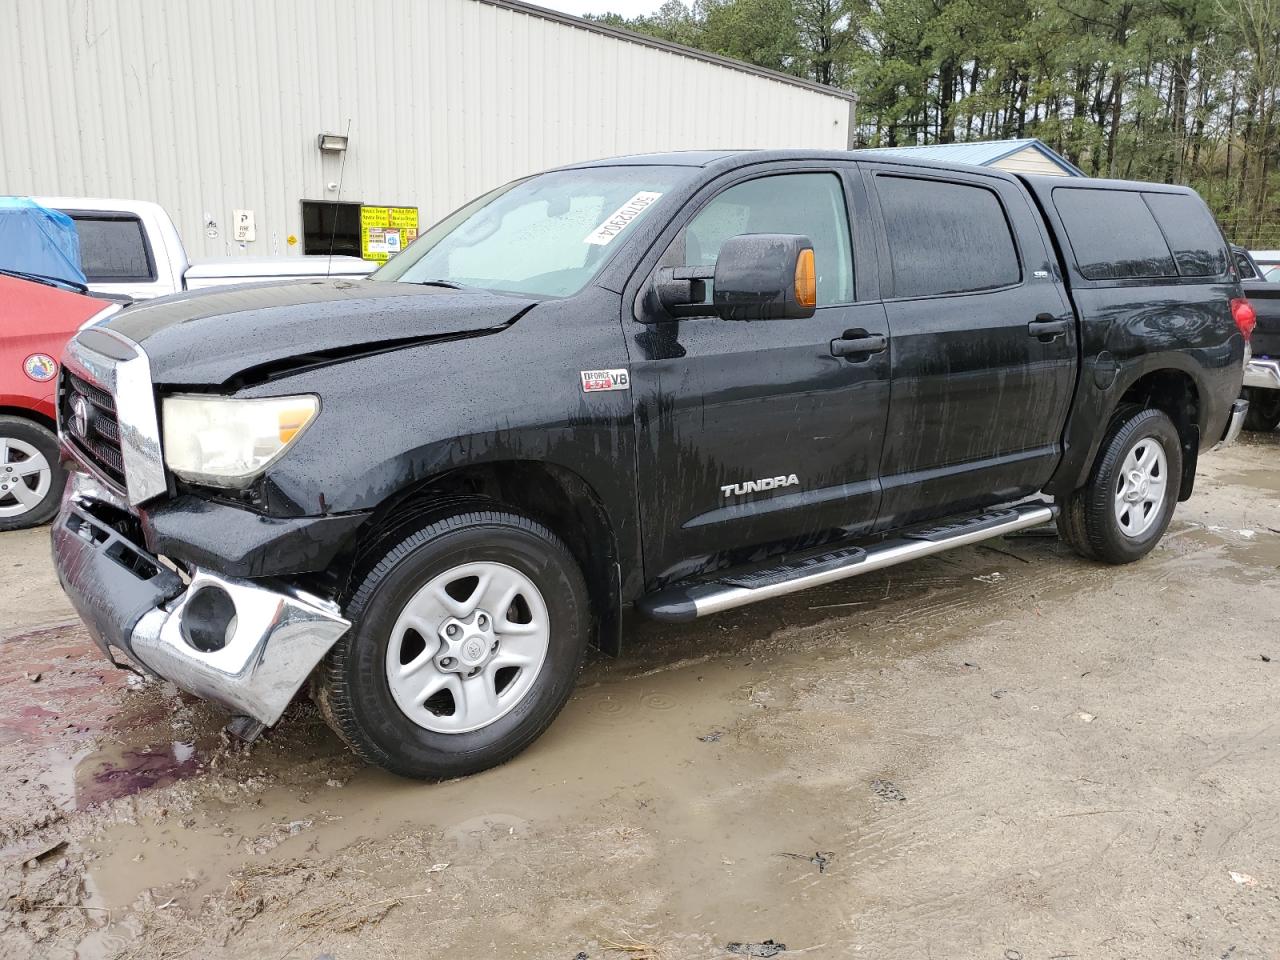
{"x": 243, "y": 644}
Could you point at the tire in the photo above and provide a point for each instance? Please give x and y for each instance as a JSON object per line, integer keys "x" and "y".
{"x": 1123, "y": 511}
{"x": 31, "y": 474}
{"x": 360, "y": 688}
{"x": 1264, "y": 410}
{"x": 1071, "y": 526}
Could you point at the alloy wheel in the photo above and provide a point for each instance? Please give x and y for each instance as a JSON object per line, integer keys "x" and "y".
{"x": 25, "y": 477}
{"x": 467, "y": 647}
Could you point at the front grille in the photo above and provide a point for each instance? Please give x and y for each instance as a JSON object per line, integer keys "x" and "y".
{"x": 97, "y": 437}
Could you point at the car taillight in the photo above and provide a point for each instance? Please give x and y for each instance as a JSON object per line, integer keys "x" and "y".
{"x": 1245, "y": 318}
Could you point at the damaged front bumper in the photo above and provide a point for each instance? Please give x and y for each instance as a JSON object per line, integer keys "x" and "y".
{"x": 248, "y": 645}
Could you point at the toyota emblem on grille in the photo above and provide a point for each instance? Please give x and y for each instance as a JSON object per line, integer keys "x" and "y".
{"x": 80, "y": 415}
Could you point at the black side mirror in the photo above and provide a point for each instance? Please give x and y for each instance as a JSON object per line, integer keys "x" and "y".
{"x": 758, "y": 276}
{"x": 765, "y": 276}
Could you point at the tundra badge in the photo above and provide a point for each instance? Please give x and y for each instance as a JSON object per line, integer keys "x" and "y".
{"x": 755, "y": 486}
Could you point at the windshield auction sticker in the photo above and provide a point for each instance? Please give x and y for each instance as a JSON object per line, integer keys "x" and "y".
{"x": 618, "y": 221}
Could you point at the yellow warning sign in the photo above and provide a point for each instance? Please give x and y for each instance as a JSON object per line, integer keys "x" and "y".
{"x": 385, "y": 231}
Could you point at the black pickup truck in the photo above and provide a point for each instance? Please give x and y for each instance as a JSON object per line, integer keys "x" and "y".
{"x": 1262, "y": 371}
{"x": 673, "y": 383}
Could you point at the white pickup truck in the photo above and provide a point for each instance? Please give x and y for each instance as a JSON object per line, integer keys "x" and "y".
{"x": 130, "y": 248}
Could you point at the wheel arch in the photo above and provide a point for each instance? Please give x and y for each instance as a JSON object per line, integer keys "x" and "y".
{"x": 554, "y": 495}
{"x": 1175, "y": 392}
{"x": 26, "y": 413}
{"x": 1170, "y": 383}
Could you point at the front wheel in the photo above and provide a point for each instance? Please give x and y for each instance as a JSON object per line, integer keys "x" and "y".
{"x": 31, "y": 474}
{"x": 1123, "y": 511}
{"x": 466, "y": 641}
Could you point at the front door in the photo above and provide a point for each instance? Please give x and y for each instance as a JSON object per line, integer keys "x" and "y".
{"x": 984, "y": 344}
{"x": 754, "y": 437}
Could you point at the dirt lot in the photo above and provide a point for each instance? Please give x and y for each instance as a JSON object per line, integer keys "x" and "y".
{"x": 1003, "y": 752}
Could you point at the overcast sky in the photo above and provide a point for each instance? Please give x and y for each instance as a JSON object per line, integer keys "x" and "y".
{"x": 628, "y": 8}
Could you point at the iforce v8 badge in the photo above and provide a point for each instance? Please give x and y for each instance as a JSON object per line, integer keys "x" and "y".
{"x": 595, "y": 380}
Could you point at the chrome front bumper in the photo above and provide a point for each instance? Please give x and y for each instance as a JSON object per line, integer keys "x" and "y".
{"x": 247, "y": 645}
{"x": 1263, "y": 373}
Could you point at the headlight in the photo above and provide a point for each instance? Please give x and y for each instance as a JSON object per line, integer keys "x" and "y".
{"x": 227, "y": 443}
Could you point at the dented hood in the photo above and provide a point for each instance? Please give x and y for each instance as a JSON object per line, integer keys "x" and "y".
{"x": 213, "y": 336}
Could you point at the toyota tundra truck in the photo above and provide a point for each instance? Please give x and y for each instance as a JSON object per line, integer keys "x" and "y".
{"x": 671, "y": 384}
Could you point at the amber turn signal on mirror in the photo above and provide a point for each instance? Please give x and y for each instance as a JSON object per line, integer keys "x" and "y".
{"x": 806, "y": 279}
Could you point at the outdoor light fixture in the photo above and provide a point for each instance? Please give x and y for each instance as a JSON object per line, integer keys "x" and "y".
{"x": 331, "y": 142}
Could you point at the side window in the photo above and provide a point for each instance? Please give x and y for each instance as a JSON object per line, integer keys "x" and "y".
{"x": 1193, "y": 236}
{"x": 946, "y": 237}
{"x": 1245, "y": 266}
{"x": 810, "y": 204}
{"x": 1113, "y": 234}
{"x": 113, "y": 249}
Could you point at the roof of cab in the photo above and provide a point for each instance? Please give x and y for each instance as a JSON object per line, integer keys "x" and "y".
{"x": 706, "y": 158}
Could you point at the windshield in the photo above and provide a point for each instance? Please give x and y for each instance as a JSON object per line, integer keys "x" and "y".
{"x": 543, "y": 236}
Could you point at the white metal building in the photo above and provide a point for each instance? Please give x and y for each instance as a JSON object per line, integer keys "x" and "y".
{"x": 211, "y": 107}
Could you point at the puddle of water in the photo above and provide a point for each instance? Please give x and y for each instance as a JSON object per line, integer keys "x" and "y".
{"x": 1242, "y": 555}
{"x": 123, "y": 771}
{"x": 1255, "y": 478}
{"x": 608, "y": 743}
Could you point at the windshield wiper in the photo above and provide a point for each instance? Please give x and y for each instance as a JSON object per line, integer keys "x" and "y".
{"x": 447, "y": 284}
{"x": 47, "y": 281}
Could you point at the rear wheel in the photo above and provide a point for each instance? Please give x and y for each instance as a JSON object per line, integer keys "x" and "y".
{"x": 31, "y": 474}
{"x": 1125, "y": 508}
{"x": 1264, "y": 410}
{"x": 466, "y": 641}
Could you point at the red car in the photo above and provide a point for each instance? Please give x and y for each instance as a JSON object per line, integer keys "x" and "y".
{"x": 36, "y": 321}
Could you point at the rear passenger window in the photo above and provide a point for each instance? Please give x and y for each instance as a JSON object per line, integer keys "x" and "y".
{"x": 946, "y": 237}
{"x": 1113, "y": 234}
{"x": 113, "y": 249}
{"x": 1192, "y": 234}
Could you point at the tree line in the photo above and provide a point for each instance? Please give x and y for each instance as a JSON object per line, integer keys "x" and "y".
{"x": 1177, "y": 91}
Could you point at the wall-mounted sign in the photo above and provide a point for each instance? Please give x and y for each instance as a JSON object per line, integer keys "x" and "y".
{"x": 246, "y": 229}
{"x": 385, "y": 231}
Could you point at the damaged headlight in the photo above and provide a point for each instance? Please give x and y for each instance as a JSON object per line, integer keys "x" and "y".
{"x": 226, "y": 442}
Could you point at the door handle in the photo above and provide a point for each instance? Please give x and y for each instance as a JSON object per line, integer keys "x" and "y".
{"x": 852, "y": 344}
{"x": 1046, "y": 327}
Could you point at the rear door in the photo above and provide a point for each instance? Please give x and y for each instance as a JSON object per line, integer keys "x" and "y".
{"x": 984, "y": 343}
{"x": 754, "y": 437}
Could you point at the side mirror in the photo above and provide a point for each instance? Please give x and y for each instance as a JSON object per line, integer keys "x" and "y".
{"x": 765, "y": 276}
{"x": 758, "y": 276}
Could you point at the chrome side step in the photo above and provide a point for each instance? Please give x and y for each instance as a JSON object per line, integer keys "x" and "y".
{"x": 685, "y": 602}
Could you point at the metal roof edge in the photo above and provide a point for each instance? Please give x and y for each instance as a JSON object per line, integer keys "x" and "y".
{"x": 1044, "y": 149}
{"x": 629, "y": 36}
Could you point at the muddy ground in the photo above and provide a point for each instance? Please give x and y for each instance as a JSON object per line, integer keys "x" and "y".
{"x": 1002, "y": 752}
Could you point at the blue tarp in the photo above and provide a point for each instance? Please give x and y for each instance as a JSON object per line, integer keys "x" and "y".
{"x": 39, "y": 241}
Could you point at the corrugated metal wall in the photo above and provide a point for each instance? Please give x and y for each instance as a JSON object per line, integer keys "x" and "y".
{"x": 212, "y": 105}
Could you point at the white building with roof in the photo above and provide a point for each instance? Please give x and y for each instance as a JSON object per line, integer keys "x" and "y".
{"x": 386, "y": 112}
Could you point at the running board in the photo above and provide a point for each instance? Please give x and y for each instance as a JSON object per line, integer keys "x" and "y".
{"x": 683, "y": 602}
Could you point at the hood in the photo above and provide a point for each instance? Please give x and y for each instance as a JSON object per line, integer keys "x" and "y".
{"x": 210, "y": 337}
